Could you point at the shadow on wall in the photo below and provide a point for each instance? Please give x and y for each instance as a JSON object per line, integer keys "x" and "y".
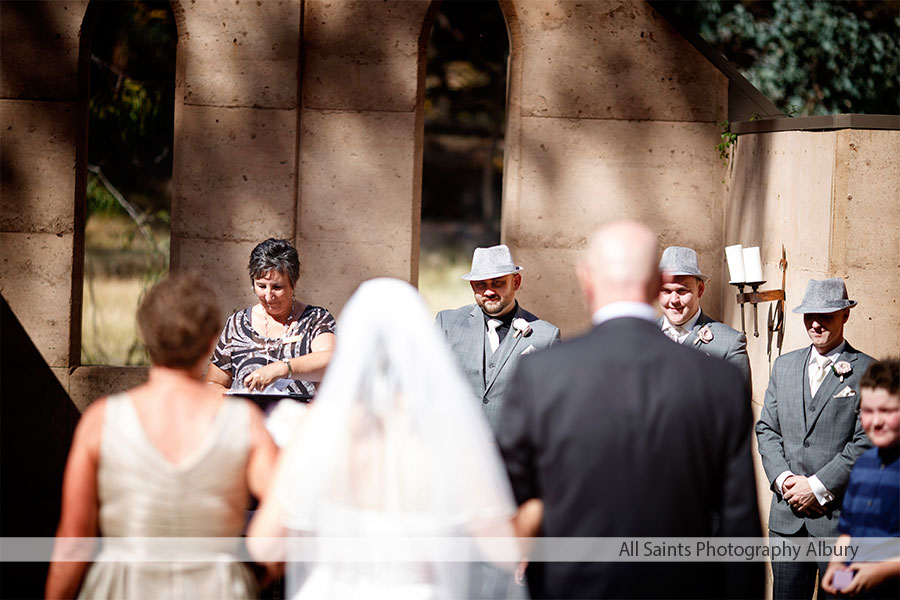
{"x": 643, "y": 146}
{"x": 618, "y": 119}
{"x": 37, "y": 45}
{"x": 37, "y": 420}
{"x": 235, "y": 130}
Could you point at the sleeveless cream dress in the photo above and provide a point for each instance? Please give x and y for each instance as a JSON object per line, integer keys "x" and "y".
{"x": 143, "y": 496}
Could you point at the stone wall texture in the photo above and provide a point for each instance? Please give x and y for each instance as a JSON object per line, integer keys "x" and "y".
{"x": 39, "y": 117}
{"x": 304, "y": 120}
{"x": 611, "y": 115}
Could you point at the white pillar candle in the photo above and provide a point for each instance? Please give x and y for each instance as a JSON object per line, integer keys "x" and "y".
{"x": 735, "y": 263}
{"x": 752, "y": 264}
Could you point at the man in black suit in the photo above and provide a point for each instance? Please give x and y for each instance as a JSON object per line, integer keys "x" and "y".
{"x": 622, "y": 433}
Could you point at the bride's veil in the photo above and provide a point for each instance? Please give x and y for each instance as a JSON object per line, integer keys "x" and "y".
{"x": 395, "y": 443}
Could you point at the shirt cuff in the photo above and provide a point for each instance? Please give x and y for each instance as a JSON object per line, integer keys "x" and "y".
{"x": 779, "y": 482}
{"x": 821, "y": 492}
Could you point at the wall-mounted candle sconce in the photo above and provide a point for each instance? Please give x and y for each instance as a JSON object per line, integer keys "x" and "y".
{"x": 745, "y": 268}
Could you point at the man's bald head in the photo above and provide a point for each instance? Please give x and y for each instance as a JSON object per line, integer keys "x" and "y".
{"x": 621, "y": 264}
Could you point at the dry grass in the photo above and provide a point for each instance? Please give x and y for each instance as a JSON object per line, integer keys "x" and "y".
{"x": 118, "y": 272}
{"x": 108, "y": 331}
{"x": 120, "y": 264}
{"x": 109, "y": 334}
{"x": 440, "y": 280}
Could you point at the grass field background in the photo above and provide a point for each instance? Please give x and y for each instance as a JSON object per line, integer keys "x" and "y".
{"x": 121, "y": 263}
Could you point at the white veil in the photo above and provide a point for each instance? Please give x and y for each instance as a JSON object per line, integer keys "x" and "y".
{"x": 395, "y": 444}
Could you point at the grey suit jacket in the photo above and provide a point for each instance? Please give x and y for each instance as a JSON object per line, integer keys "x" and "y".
{"x": 727, "y": 343}
{"x": 822, "y": 437}
{"x": 465, "y": 332}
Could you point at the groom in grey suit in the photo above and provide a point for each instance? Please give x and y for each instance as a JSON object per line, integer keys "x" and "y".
{"x": 682, "y": 319}
{"x": 809, "y": 432}
{"x": 488, "y": 337}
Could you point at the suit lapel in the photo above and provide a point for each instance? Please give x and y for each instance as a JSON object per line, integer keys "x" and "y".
{"x": 830, "y": 386}
{"x": 692, "y": 336}
{"x": 476, "y": 325}
{"x": 504, "y": 351}
{"x": 796, "y": 379}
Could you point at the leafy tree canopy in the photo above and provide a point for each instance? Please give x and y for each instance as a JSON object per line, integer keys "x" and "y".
{"x": 809, "y": 57}
{"x": 132, "y": 103}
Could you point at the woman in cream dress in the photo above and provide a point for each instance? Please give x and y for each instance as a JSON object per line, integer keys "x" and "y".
{"x": 172, "y": 458}
{"x": 395, "y": 445}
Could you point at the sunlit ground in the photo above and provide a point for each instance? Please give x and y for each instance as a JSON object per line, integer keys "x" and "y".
{"x": 115, "y": 281}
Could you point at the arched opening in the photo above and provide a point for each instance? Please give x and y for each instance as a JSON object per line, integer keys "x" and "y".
{"x": 465, "y": 122}
{"x": 129, "y": 173}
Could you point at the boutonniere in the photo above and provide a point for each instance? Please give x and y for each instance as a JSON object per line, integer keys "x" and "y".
{"x": 704, "y": 335}
{"x": 522, "y": 328}
{"x": 842, "y": 368}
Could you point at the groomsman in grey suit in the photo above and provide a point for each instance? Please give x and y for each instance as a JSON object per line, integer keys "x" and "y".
{"x": 683, "y": 320}
{"x": 488, "y": 337}
{"x": 809, "y": 431}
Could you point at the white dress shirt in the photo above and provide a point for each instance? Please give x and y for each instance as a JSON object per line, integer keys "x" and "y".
{"x": 823, "y": 494}
{"x": 615, "y": 310}
{"x": 667, "y": 325}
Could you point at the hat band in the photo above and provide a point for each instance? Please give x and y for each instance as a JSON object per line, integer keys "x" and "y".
{"x": 508, "y": 269}
{"x": 834, "y": 303}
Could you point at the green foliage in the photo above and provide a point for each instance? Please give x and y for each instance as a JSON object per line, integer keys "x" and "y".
{"x": 99, "y": 200}
{"x": 729, "y": 139}
{"x": 131, "y": 103}
{"x": 465, "y": 113}
{"x": 810, "y": 57}
{"x": 466, "y": 84}
{"x": 133, "y": 110}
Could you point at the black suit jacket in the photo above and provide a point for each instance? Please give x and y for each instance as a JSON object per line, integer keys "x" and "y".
{"x": 623, "y": 433}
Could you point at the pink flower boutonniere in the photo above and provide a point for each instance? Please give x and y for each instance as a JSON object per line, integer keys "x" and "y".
{"x": 704, "y": 335}
{"x": 842, "y": 368}
{"x": 522, "y": 327}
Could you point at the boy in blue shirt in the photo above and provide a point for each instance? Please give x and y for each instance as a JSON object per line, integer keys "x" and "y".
{"x": 871, "y": 506}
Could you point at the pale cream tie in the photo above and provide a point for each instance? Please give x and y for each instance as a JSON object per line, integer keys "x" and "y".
{"x": 493, "y": 336}
{"x": 674, "y": 332}
{"x": 819, "y": 373}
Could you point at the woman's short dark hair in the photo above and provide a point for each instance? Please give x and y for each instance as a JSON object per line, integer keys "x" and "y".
{"x": 274, "y": 255}
{"x": 178, "y": 319}
{"x": 884, "y": 374}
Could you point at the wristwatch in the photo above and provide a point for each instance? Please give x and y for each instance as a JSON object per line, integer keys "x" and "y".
{"x": 290, "y": 373}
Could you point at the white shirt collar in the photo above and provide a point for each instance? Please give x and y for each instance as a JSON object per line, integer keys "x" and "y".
{"x": 833, "y": 355}
{"x": 666, "y": 324}
{"x": 615, "y": 310}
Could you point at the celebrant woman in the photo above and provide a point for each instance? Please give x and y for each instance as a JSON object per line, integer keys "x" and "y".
{"x": 280, "y": 344}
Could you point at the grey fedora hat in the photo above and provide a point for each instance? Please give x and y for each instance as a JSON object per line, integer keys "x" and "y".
{"x": 825, "y": 296}
{"x": 488, "y": 263}
{"x": 678, "y": 260}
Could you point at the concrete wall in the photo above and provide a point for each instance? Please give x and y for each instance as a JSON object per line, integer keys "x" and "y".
{"x": 39, "y": 136}
{"x": 301, "y": 145}
{"x": 611, "y": 115}
{"x": 359, "y": 201}
{"x": 235, "y": 148}
{"x": 831, "y": 199}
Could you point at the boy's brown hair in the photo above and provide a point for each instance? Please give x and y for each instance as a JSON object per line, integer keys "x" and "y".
{"x": 884, "y": 374}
